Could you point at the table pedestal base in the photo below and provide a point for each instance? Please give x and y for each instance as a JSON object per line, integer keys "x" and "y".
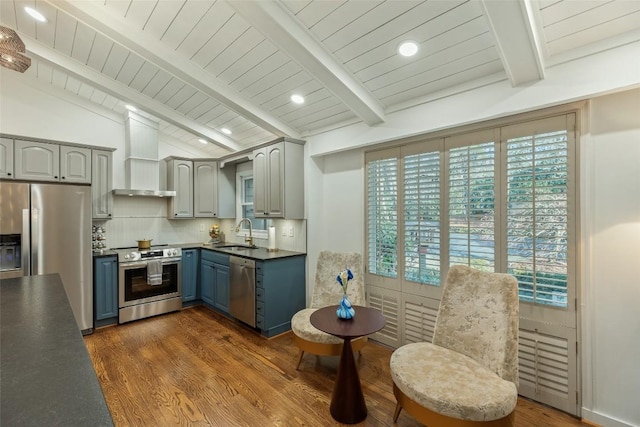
{"x": 347, "y": 401}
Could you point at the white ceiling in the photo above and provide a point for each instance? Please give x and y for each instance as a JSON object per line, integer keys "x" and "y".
{"x": 198, "y": 66}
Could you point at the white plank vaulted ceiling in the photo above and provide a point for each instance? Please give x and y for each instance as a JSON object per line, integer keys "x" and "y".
{"x": 198, "y": 66}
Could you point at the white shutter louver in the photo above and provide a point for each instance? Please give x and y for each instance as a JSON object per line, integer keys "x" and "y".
{"x": 537, "y": 216}
{"x": 545, "y": 359}
{"x": 422, "y": 217}
{"x": 388, "y": 303}
{"x": 472, "y": 206}
{"x": 419, "y": 319}
{"x": 382, "y": 221}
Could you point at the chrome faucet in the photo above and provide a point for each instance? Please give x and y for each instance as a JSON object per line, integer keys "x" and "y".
{"x": 250, "y": 238}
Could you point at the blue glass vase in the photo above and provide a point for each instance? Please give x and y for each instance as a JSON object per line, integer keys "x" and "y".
{"x": 345, "y": 310}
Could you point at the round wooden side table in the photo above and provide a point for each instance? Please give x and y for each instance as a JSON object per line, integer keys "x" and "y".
{"x": 347, "y": 402}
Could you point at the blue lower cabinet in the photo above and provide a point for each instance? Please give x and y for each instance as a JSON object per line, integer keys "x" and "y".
{"x": 105, "y": 284}
{"x": 280, "y": 289}
{"x": 207, "y": 281}
{"x": 214, "y": 280}
{"x": 280, "y": 293}
{"x": 190, "y": 261}
{"x": 222, "y": 288}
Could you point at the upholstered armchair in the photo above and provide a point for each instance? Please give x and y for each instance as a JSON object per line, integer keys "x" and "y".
{"x": 327, "y": 292}
{"x": 468, "y": 375}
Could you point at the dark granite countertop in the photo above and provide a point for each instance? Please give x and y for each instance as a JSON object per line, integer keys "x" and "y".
{"x": 260, "y": 254}
{"x": 47, "y": 375}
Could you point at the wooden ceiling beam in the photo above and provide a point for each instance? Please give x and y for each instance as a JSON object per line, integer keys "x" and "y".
{"x": 513, "y": 28}
{"x": 276, "y": 24}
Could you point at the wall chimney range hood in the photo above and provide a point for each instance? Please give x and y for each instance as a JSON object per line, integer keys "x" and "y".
{"x": 142, "y": 169}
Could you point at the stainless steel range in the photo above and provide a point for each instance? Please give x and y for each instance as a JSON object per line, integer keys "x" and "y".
{"x": 149, "y": 282}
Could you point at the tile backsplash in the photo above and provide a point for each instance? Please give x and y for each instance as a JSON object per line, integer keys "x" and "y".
{"x": 136, "y": 218}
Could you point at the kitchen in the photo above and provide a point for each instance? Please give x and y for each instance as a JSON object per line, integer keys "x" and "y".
{"x": 607, "y": 80}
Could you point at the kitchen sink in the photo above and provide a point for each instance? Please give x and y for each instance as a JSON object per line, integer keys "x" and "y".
{"x": 236, "y": 247}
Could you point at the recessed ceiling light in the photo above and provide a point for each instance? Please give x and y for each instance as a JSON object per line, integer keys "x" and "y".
{"x": 202, "y": 140}
{"x": 226, "y": 131}
{"x": 408, "y": 48}
{"x": 297, "y": 99}
{"x": 35, "y": 14}
{"x": 131, "y": 108}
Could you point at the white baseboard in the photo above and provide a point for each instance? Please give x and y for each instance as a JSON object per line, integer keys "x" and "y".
{"x": 603, "y": 420}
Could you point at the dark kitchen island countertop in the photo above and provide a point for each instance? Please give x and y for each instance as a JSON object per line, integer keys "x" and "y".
{"x": 47, "y": 376}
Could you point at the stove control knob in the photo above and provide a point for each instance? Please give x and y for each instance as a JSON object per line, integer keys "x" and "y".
{"x": 126, "y": 256}
{"x": 174, "y": 252}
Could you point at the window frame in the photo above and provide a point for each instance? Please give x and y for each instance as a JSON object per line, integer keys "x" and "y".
{"x": 245, "y": 171}
{"x": 560, "y": 315}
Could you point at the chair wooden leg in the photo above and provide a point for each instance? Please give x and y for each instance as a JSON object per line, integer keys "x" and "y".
{"x": 299, "y": 359}
{"x": 396, "y": 413}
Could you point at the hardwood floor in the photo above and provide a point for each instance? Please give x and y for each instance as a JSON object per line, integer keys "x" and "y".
{"x": 196, "y": 367}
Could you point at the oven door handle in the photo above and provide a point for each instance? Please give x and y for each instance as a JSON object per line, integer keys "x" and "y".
{"x": 131, "y": 265}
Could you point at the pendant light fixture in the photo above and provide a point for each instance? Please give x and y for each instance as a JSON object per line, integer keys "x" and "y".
{"x": 12, "y": 51}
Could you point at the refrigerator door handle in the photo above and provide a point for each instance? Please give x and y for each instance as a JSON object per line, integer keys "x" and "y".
{"x": 34, "y": 242}
{"x": 26, "y": 241}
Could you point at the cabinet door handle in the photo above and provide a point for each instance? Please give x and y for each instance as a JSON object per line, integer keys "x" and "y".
{"x": 9, "y": 174}
{"x": 56, "y": 177}
{"x": 63, "y": 177}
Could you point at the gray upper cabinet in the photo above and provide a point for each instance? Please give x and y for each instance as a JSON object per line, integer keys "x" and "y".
{"x": 36, "y": 161}
{"x": 213, "y": 190}
{"x": 180, "y": 180}
{"x": 6, "y": 158}
{"x": 205, "y": 189}
{"x": 101, "y": 185}
{"x": 75, "y": 164}
{"x": 278, "y": 180}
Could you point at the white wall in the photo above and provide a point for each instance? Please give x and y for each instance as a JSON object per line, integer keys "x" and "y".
{"x": 611, "y": 286}
{"x": 335, "y": 205}
{"x": 26, "y": 110}
{"x": 611, "y": 277}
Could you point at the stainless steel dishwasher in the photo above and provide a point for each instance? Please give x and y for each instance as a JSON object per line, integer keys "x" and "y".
{"x": 242, "y": 295}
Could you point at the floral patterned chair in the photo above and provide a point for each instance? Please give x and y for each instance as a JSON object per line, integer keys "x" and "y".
{"x": 468, "y": 375}
{"x": 327, "y": 291}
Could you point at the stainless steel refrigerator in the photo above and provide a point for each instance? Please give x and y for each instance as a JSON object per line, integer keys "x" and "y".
{"x": 46, "y": 228}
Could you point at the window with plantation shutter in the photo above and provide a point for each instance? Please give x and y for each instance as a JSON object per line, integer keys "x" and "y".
{"x": 537, "y": 216}
{"x": 472, "y": 206}
{"x": 382, "y": 222}
{"x": 422, "y": 217}
{"x": 500, "y": 199}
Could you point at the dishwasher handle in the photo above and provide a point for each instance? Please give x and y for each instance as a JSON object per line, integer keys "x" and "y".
{"x": 244, "y": 262}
